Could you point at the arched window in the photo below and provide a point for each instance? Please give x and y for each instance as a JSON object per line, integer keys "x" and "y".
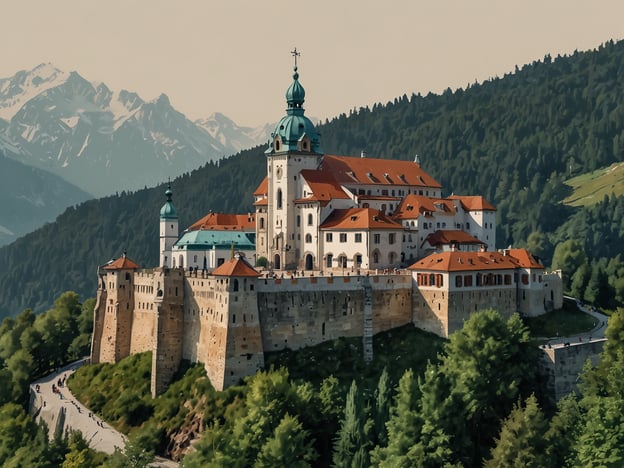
{"x": 308, "y": 238}
{"x": 310, "y": 219}
{"x": 235, "y": 285}
{"x": 181, "y": 261}
{"x": 279, "y": 199}
{"x": 375, "y": 257}
{"x": 261, "y": 223}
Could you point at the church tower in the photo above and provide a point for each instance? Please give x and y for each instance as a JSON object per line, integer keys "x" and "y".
{"x": 294, "y": 146}
{"x": 168, "y": 230}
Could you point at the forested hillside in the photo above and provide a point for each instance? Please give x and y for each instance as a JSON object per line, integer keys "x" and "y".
{"x": 513, "y": 139}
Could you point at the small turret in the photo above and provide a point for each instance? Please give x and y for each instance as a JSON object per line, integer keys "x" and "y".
{"x": 168, "y": 229}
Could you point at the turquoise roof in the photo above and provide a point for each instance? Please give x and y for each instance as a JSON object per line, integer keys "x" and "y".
{"x": 168, "y": 211}
{"x": 203, "y": 240}
{"x": 295, "y": 94}
{"x": 295, "y": 125}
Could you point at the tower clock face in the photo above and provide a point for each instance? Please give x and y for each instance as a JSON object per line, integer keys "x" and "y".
{"x": 278, "y": 173}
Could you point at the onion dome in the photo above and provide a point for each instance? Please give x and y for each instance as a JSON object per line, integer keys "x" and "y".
{"x": 295, "y": 94}
{"x": 295, "y": 132}
{"x": 168, "y": 211}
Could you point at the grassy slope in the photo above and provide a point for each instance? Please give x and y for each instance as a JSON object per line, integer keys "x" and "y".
{"x": 591, "y": 188}
{"x": 566, "y": 321}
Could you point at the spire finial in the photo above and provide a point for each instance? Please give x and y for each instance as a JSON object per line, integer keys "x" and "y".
{"x": 295, "y": 54}
{"x": 168, "y": 192}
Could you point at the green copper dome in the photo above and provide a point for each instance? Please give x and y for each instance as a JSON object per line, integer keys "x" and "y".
{"x": 295, "y": 126}
{"x": 168, "y": 211}
{"x": 295, "y": 94}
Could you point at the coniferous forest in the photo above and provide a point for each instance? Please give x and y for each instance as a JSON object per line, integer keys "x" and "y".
{"x": 514, "y": 139}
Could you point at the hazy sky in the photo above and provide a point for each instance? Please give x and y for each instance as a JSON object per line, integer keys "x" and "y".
{"x": 233, "y": 56}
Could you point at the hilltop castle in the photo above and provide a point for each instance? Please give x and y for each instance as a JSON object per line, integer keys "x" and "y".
{"x": 351, "y": 246}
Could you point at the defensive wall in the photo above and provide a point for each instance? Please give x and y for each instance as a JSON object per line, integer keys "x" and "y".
{"x": 304, "y": 311}
{"x": 227, "y": 323}
{"x": 431, "y": 306}
{"x": 561, "y": 364}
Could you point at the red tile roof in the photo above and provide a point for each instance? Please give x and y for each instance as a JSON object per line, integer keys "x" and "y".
{"x": 122, "y": 263}
{"x": 226, "y": 222}
{"x": 465, "y": 261}
{"x": 323, "y": 186}
{"x": 359, "y": 218}
{"x": 263, "y": 188}
{"x": 370, "y": 171}
{"x": 445, "y": 237}
{"x": 413, "y": 205}
{"x": 236, "y": 266}
{"x": 524, "y": 258}
{"x": 473, "y": 203}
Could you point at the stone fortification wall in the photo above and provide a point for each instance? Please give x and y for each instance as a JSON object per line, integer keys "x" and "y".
{"x": 298, "y": 312}
{"x": 561, "y": 364}
{"x": 99, "y": 312}
{"x": 244, "y": 353}
{"x": 144, "y": 313}
{"x": 205, "y": 326}
{"x": 531, "y": 300}
{"x": 440, "y": 312}
{"x": 392, "y": 301}
{"x": 113, "y": 317}
{"x": 169, "y": 309}
{"x": 553, "y": 289}
{"x": 464, "y": 303}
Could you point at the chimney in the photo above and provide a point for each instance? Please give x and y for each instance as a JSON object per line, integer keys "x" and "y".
{"x": 363, "y": 154}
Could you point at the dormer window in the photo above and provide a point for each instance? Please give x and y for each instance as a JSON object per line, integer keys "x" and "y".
{"x": 277, "y": 145}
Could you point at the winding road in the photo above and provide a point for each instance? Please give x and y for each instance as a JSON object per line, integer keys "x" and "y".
{"x": 61, "y": 411}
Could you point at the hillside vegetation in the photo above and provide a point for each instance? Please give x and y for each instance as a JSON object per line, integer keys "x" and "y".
{"x": 474, "y": 400}
{"x": 591, "y": 188}
{"x": 478, "y": 402}
{"x": 513, "y": 139}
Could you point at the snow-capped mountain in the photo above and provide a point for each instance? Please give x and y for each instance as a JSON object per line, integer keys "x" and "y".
{"x": 105, "y": 141}
{"x": 228, "y": 133}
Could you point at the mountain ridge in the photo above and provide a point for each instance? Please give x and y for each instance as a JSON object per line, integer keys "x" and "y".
{"x": 106, "y": 141}
{"x": 31, "y": 197}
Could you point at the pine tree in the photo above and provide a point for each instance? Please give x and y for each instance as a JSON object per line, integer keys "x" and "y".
{"x": 352, "y": 441}
{"x": 404, "y": 424}
{"x": 382, "y": 408}
{"x": 521, "y": 441}
{"x": 289, "y": 446}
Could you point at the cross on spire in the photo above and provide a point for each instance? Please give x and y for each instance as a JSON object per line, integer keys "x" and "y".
{"x": 295, "y": 54}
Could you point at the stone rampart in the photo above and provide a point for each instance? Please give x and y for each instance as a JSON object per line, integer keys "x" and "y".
{"x": 297, "y": 312}
{"x": 205, "y": 326}
{"x": 144, "y": 313}
{"x": 441, "y": 312}
{"x": 562, "y": 364}
{"x": 169, "y": 305}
